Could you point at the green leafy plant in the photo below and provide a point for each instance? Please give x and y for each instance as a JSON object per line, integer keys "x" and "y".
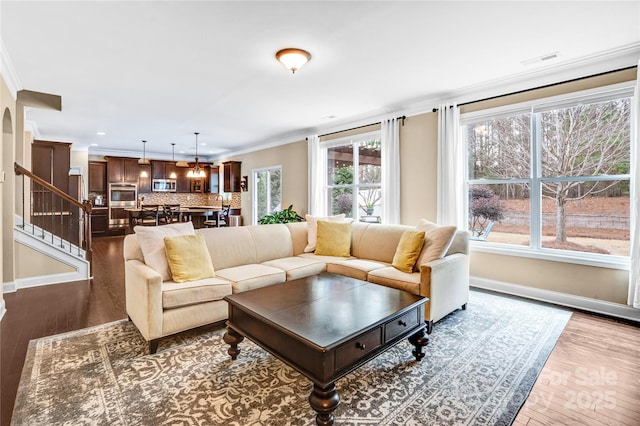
{"x": 283, "y": 216}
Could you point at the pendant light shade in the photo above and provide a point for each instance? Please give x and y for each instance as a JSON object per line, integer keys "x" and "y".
{"x": 173, "y": 174}
{"x": 196, "y": 171}
{"x": 144, "y": 160}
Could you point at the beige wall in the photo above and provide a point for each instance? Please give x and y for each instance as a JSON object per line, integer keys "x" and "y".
{"x": 293, "y": 159}
{"x": 7, "y": 105}
{"x": 31, "y": 263}
{"x": 418, "y": 168}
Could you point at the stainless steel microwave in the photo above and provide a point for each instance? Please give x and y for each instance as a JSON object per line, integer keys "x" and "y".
{"x": 163, "y": 185}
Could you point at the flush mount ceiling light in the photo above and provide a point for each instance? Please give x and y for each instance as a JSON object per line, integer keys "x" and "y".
{"x": 144, "y": 160}
{"x": 196, "y": 171}
{"x": 293, "y": 58}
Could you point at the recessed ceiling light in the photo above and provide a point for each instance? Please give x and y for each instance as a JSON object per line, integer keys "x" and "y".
{"x": 329, "y": 117}
{"x": 94, "y": 144}
{"x": 100, "y": 133}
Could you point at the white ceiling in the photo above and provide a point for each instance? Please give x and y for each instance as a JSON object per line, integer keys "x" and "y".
{"x": 161, "y": 70}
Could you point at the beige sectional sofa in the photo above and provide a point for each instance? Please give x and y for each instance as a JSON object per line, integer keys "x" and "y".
{"x": 250, "y": 257}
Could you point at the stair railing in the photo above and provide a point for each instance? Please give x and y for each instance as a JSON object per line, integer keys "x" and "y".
{"x": 55, "y": 216}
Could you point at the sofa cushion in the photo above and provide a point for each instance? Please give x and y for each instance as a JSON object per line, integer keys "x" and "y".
{"x": 325, "y": 259}
{"x": 151, "y": 241}
{"x": 391, "y": 277}
{"x": 298, "y": 267}
{"x": 271, "y": 241}
{"x": 312, "y": 226}
{"x": 248, "y": 277}
{"x": 354, "y": 268}
{"x": 334, "y": 239}
{"x": 175, "y": 295}
{"x": 229, "y": 247}
{"x": 376, "y": 242}
{"x": 188, "y": 258}
{"x": 408, "y": 250}
{"x": 437, "y": 241}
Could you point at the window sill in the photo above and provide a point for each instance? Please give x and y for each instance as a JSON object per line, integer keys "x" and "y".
{"x": 597, "y": 260}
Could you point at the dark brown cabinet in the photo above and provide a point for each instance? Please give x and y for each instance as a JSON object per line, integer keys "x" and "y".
{"x": 99, "y": 221}
{"x": 144, "y": 182}
{"x": 120, "y": 169}
{"x": 163, "y": 169}
{"x": 232, "y": 175}
{"x": 182, "y": 181}
{"x": 51, "y": 162}
{"x": 98, "y": 177}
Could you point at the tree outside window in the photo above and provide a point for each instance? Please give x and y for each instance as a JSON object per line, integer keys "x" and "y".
{"x": 560, "y": 175}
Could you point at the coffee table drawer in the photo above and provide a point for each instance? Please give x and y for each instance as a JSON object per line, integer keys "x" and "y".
{"x": 356, "y": 348}
{"x": 402, "y": 324}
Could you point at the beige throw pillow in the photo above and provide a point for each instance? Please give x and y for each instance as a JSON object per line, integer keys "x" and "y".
{"x": 334, "y": 238}
{"x": 188, "y": 258}
{"x": 437, "y": 240}
{"x": 408, "y": 250}
{"x": 151, "y": 240}
{"x": 312, "y": 229}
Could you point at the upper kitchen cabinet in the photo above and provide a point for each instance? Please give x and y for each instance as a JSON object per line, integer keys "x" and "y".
{"x": 144, "y": 182}
{"x": 163, "y": 169}
{"x": 98, "y": 177}
{"x": 214, "y": 180}
{"x": 232, "y": 175}
{"x": 121, "y": 169}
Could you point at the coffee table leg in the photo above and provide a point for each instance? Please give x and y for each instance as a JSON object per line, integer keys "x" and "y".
{"x": 419, "y": 340}
{"x": 324, "y": 401}
{"x": 232, "y": 338}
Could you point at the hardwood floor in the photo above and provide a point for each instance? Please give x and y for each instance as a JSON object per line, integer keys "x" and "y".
{"x": 591, "y": 378}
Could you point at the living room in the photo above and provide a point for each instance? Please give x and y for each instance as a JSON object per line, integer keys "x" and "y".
{"x": 560, "y": 281}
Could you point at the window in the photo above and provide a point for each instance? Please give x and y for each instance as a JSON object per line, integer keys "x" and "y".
{"x": 354, "y": 177}
{"x": 268, "y": 192}
{"x": 552, "y": 175}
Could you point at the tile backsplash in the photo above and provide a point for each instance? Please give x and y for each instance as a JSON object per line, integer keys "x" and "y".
{"x": 190, "y": 199}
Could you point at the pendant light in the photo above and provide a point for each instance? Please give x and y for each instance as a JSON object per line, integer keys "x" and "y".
{"x": 143, "y": 160}
{"x": 196, "y": 171}
{"x": 173, "y": 174}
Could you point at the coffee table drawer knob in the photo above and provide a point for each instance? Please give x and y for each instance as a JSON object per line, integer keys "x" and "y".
{"x": 402, "y": 323}
{"x": 361, "y": 346}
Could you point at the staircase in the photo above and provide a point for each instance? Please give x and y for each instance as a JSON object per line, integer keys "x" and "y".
{"x": 53, "y": 232}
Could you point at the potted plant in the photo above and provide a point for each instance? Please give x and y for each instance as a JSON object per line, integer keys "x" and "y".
{"x": 283, "y": 216}
{"x": 370, "y": 198}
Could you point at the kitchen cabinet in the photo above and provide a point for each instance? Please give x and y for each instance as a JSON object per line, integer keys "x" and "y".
{"x": 122, "y": 169}
{"x": 232, "y": 176}
{"x": 99, "y": 221}
{"x": 144, "y": 183}
{"x": 163, "y": 169}
{"x": 51, "y": 161}
{"x": 183, "y": 183}
{"x": 98, "y": 177}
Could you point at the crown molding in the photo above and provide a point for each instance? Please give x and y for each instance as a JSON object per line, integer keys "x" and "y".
{"x": 596, "y": 63}
{"x": 8, "y": 72}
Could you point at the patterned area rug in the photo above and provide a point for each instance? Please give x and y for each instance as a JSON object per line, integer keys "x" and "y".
{"x": 479, "y": 369}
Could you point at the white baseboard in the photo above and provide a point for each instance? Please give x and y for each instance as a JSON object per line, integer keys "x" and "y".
{"x": 3, "y": 309}
{"x": 584, "y": 303}
{"x": 9, "y": 287}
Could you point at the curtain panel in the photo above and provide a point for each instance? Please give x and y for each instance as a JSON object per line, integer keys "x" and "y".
{"x": 390, "y": 175}
{"x": 316, "y": 179}
{"x": 452, "y": 169}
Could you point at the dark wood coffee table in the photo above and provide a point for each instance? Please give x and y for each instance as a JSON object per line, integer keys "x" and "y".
{"x": 326, "y": 326}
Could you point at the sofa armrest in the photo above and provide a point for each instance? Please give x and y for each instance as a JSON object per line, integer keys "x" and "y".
{"x": 143, "y": 295}
{"x": 446, "y": 283}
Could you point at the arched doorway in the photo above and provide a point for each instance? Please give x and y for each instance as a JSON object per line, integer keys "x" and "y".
{"x": 7, "y": 190}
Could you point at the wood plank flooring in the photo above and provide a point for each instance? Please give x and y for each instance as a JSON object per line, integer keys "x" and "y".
{"x": 591, "y": 378}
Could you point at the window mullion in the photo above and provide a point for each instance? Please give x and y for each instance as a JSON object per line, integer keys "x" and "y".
{"x": 356, "y": 179}
{"x": 536, "y": 185}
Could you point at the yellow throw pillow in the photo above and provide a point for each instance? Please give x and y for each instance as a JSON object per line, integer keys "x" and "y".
{"x": 408, "y": 250}
{"x": 188, "y": 258}
{"x": 438, "y": 239}
{"x": 312, "y": 229}
{"x": 334, "y": 238}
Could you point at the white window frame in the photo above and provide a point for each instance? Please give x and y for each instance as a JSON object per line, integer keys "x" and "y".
{"x": 601, "y": 94}
{"x": 354, "y": 141}
{"x": 254, "y": 193}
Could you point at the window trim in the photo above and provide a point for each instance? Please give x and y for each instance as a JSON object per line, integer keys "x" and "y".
{"x": 600, "y": 94}
{"x": 353, "y": 140}
{"x": 254, "y": 193}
